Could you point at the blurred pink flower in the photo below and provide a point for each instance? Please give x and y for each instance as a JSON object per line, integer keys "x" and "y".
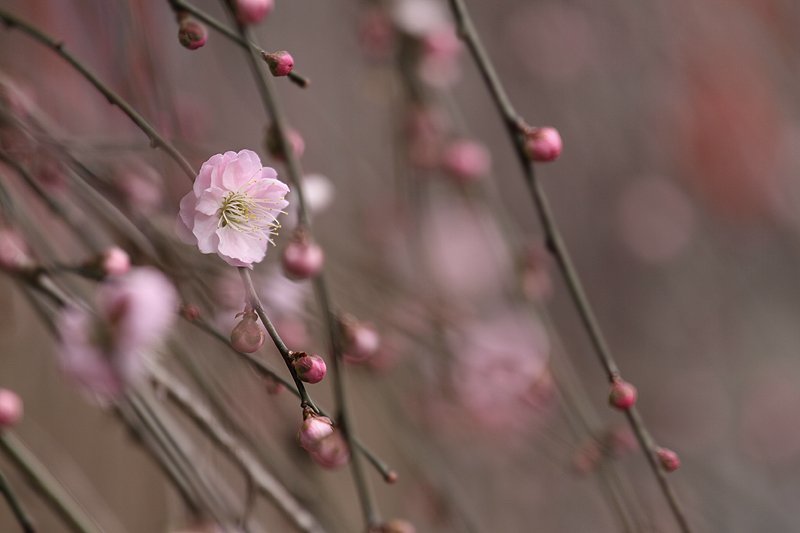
{"x": 106, "y": 352}
{"x": 232, "y": 208}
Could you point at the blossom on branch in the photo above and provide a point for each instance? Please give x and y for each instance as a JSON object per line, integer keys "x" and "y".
{"x": 232, "y": 209}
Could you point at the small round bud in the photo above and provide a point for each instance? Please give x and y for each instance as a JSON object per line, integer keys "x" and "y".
{"x": 192, "y": 34}
{"x": 115, "y": 261}
{"x": 10, "y": 409}
{"x": 669, "y": 460}
{"x": 313, "y": 431}
{"x": 361, "y": 341}
{"x": 302, "y": 259}
{"x": 273, "y": 143}
{"x": 397, "y": 526}
{"x": 332, "y": 451}
{"x": 247, "y": 336}
{"x": 543, "y": 144}
{"x": 391, "y": 477}
{"x": 622, "y": 395}
{"x": 309, "y": 368}
{"x": 190, "y": 312}
{"x": 253, "y": 11}
{"x": 466, "y": 160}
{"x": 280, "y": 63}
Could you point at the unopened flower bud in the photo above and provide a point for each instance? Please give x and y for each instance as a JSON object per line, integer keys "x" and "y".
{"x": 543, "y": 144}
{"x": 622, "y": 395}
{"x": 309, "y": 368}
{"x": 273, "y": 143}
{"x": 314, "y": 429}
{"x": 466, "y": 160}
{"x": 669, "y": 460}
{"x": 247, "y": 336}
{"x": 190, "y": 312}
{"x": 115, "y": 261}
{"x": 361, "y": 341}
{"x": 192, "y": 34}
{"x": 273, "y": 386}
{"x": 280, "y": 63}
{"x": 302, "y": 258}
{"x": 332, "y": 451}
{"x": 397, "y": 526}
{"x": 10, "y": 409}
{"x": 253, "y": 11}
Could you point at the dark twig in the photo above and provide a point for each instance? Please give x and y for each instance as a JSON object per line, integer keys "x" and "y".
{"x": 555, "y": 244}
{"x": 17, "y": 508}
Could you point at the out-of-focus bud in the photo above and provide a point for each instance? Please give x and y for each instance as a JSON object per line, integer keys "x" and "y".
{"x": 466, "y": 160}
{"x": 13, "y": 251}
{"x": 315, "y": 428}
{"x": 273, "y": 386}
{"x": 280, "y": 63}
{"x": 622, "y": 395}
{"x": 332, "y": 451}
{"x": 587, "y": 458}
{"x": 273, "y": 143}
{"x": 361, "y": 341}
{"x": 302, "y": 258}
{"x": 247, "y": 336}
{"x": 669, "y": 460}
{"x": 190, "y": 312}
{"x": 253, "y": 11}
{"x": 10, "y": 409}
{"x": 192, "y": 34}
{"x": 309, "y": 368}
{"x": 543, "y": 144}
{"x": 115, "y": 261}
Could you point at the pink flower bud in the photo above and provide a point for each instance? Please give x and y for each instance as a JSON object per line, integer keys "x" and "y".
{"x": 314, "y": 429}
{"x": 115, "y": 261}
{"x": 10, "y": 409}
{"x": 247, "y": 336}
{"x": 309, "y": 368}
{"x": 190, "y": 312}
{"x": 280, "y": 63}
{"x": 397, "y": 526}
{"x": 192, "y": 34}
{"x": 13, "y": 251}
{"x": 669, "y": 460}
{"x": 332, "y": 451}
{"x": 466, "y": 160}
{"x": 302, "y": 259}
{"x": 361, "y": 341}
{"x": 253, "y": 11}
{"x": 273, "y": 144}
{"x": 587, "y": 458}
{"x": 543, "y": 144}
{"x": 622, "y": 395}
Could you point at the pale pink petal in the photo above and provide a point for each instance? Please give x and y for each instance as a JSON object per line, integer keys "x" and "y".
{"x": 205, "y": 229}
{"x": 241, "y": 246}
{"x": 185, "y": 222}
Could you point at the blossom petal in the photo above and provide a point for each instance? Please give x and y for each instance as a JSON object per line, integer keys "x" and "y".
{"x": 205, "y": 228}
{"x": 242, "y": 246}
{"x": 185, "y": 222}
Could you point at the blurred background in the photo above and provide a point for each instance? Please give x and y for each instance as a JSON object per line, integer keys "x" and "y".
{"x": 678, "y": 194}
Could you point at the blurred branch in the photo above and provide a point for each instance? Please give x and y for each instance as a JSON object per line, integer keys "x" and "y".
{"x": 250, "y": 466}
{"x": 180, "y": 5}
{"x": 156, "y": 140}
{"x": 46, "y": 484}
{"x": 558, "y": 249}
{"x": 24, "y": 519}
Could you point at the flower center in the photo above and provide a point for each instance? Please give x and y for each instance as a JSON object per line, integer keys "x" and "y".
{"x": 244, "y": 213}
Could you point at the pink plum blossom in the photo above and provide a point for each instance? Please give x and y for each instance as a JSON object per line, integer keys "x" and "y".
{"x": 232, "y": 209}
{"x": 106, "y": 352}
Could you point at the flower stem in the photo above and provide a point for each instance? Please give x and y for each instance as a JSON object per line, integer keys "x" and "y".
{"x": 558, "y": 249}
{"x": 156, "y": 140}
{"x": 180, "y": 5}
